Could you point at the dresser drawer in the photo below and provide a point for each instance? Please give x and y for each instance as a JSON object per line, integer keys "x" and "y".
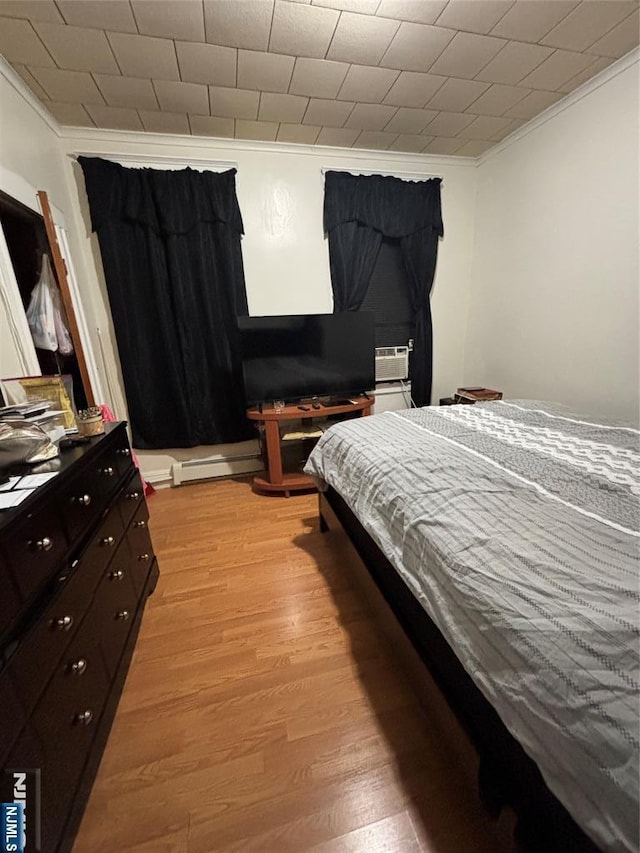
{"x": 34, "y": 550}
{"x": 10, "y": 603}
{"x": 113, "y": 610}
{"x": 102, "y": 547}
{"x": 38, "y": 654}
{"x": 140, "y": 547}
{"x": 131, "y": 498}
{"x": 83, "y": 499}
{"x": 12, "y": 717}
{"x": 65, "y": 722}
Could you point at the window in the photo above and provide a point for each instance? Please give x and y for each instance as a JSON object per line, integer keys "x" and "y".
{"x": 388, "y": 296}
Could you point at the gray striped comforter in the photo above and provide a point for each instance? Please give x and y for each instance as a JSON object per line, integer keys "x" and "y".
{"x": 516, "y": 525}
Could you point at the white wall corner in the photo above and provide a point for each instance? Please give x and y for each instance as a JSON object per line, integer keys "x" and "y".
{"x": 12, "y": 77}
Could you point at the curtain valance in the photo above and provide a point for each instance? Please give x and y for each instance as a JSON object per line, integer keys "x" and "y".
{"x": 167, "y": 202}
{"x": 394, "y": 207}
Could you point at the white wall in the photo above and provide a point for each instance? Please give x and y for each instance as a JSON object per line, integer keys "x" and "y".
{"x": 554, "y": 311}
{"x": 280, "y": 191}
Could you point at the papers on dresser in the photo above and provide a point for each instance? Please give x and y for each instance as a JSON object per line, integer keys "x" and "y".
{"x": 13, "y": 498}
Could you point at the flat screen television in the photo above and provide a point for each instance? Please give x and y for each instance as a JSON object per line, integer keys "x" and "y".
{"x": 309, "y": 355}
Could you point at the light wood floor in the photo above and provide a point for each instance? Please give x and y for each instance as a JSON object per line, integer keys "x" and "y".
{"x": 263, "y": 710}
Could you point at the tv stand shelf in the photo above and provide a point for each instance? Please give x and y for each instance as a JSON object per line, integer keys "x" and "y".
{"x": 276, "y": 480}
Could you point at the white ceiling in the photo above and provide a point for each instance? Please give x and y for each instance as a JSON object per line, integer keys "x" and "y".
{"x": 436, "y": 76}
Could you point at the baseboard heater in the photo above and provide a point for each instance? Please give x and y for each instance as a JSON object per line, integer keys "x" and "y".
{"x": 214, "y": 466}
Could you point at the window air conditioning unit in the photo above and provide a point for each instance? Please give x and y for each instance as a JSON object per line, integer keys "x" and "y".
{"x": 392, "y": 363}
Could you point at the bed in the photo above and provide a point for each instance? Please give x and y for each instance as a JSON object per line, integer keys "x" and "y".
{"x": 505, "y": 537}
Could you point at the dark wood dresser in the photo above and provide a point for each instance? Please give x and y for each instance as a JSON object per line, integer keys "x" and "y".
{"x": 76, "y": 568}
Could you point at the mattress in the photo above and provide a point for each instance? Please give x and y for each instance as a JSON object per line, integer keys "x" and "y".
{"x": 517, "y": 527}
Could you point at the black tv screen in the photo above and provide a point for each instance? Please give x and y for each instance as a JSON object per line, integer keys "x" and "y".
{"x": 308, "y": 355}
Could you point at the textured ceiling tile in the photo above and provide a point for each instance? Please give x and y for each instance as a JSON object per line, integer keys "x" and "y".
{"x": 134, "y": 92}
{"x": 466, "y": 55}
{"x": 288, "y": 108}
{"x": 161, "y": 122}
{"x": 69, "y": 87}
{"x": 587, "y": 23}
{"x": 361, "y": 38}
{"x": 456, "y": 95}
{"x": 145, "y": 56}
{"x": 410, "y": 143}
{"x": 413, "y": 89}
{"x": 302, "y": 30}
{"x": 19, "y": 43}
{"x": 212, "y": 126}
{"x": 235, "y": 24}
{"x": 620, "y": 39}
{"x": 31, "y": 81}
{"x": 339, "y": 137}
{"x": 207, "y": 63}
{"x": 415, "y": 47}
{"x": 78, "y": 48}
{"x": 176, "y": 97}
{"x": 262, "y": 130}
{"x": 530, "y": 20}
{"x": 327, "y": 113}
{"x": 116, "y": 118}
{"x": 484, "y": 127}
{"x": 233, "y": 103}
{"x": 473, "y": 17}
{"x": 116, "y": 15}
{"x": 449, "y": 124}
{"x": 474, "y": 147}
{"x": 375, "y": 140}
{"x": 533, "y": 104}
{"x": 34, "y": 10}
{"x": 317, "y": 77}
{"x": 269, "y": 72}
{"x": 416, "y": 11}
{"x": 367, "y": 84}
{"x": 556, "y": 70}
{"x": 508, "y": 130}
{"x": 597, "y": 66}
{"x": 443, "y": 145}
{"x": 183, "y": 20}
{"x": 73, "y": 115}
{"x": 410, "y": 120}
{"x": 301, "y": 134}
{"x": 497, "y": 100}
{"x": 514, "y": 62}
{"x": 370, "y": 116}
{"x": 366, "y": 7}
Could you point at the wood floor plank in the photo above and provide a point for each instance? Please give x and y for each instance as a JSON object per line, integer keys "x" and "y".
{"x": 264, "y": 711}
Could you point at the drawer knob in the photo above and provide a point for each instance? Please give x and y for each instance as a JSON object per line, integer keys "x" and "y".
{"x": 44, "y": 544}
{"x": 78, "y": 666}
{"x": 133, "y": 496}
{"x": 62, "y": 624}
{"x": 124, "y": 451}
{"x": 107, "y": 472}
{"x": 140, "y": 524}
{"x": 84, "y": 500}
{"x": 117, "y": 575}
{"x": 108, "y": 541}
{"x": 83, "y": 718}
{"x": 122, "y": 615}
{"x": 144, "y": 557}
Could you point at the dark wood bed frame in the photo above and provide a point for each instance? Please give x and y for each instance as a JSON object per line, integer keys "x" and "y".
{"x": 507, "y": 776}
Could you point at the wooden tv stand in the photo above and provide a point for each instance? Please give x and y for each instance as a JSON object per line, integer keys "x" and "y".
{"x": 276, "y": 480}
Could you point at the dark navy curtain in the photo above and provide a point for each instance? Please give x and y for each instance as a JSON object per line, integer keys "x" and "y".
{"x": 170, "y": 245}
{"x": 358, "y": 211}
